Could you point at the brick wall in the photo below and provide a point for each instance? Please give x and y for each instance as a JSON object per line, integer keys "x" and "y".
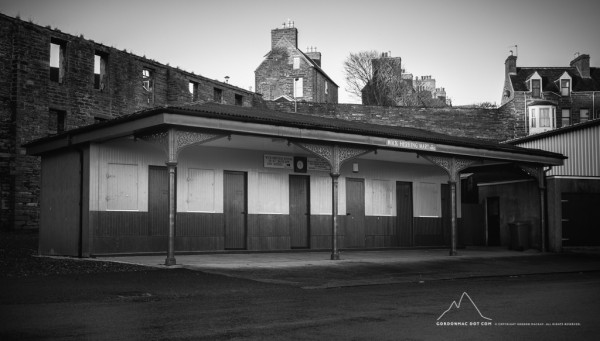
{"x": 489, "y": 124}
{"x": 28, "y": 94}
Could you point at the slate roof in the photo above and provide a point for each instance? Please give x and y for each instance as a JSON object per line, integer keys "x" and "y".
{"x": 295, "y": 120}
{"x": 551, "y": 76}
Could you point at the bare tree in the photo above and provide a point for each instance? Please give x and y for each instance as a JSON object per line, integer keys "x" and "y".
{"x": 377, "y": 79}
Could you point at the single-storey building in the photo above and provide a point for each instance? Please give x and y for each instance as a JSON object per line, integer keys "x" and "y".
{"x": 573, "y": 197}
{"x": 211, "y": 177}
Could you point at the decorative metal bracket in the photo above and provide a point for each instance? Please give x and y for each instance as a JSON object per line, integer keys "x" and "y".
{"x": 173, "y": 140}
{"x": 534, "y": 172}
{"x": 334, "y": 154}
{"x": 452, "y": 165}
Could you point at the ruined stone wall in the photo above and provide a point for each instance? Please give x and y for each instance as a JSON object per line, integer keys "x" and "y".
{"x": 38, "y": 99}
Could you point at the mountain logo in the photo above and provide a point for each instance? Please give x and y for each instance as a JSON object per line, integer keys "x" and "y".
{"x": 456, "y": 309}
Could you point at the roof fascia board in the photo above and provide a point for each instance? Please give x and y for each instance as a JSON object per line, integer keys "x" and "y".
{"x": 321, "y": 135}
{"x": 119, "y": 130}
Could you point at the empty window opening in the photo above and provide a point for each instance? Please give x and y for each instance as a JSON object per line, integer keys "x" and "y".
{"x": 100, "y": 63}
{"x": 56, "y": 121}
{"x": 218, "y": 95}
{"x": 148, "y": 79}
{"x": 535, "y": 88}
{"x": 239, "y": 100}
{"x": 57, "y": 60}
{"x": 565, "y": 87}
{"x": 193, "y": 87}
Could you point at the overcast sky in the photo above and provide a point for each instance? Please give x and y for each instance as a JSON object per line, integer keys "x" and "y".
{"x": 461, "y": 44}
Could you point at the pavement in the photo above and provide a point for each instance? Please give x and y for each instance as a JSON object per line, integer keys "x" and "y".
{"x": 315, "y": 270}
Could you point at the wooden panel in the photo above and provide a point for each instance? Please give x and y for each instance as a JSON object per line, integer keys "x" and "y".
{"x": 428, "y": 200}
{"x": 320, "y": 232}
{"x": 201, "y": 190}
{"x": 158, "y": 200}
{"x": 428, "y": 231}
{"x": 382, "y": 197}
{"x": 122, "y": 187}
{"x": 60, "y": 204}
{"x": 200, "y": 225}
{"x": 320, "y": 195}
{"x": 268, "y": 232}
{"x": 235, "y": 209}
{"x": 380, "y": 231}
{"x": 122, "y": 223}
{"x": 272, "y": 193}
{"x": 580, "y": 217}
{"x": 355, "y": 214}
{"x": 404, "y": 212}
{"x": 299, "y": 217}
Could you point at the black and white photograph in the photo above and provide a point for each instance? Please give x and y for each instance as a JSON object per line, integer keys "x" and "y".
{"x": 299, "y": 170}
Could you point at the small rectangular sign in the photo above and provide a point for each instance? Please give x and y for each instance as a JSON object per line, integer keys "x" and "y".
{"x": 278, "y": 161}
{"x": 411, "y": 145}
{"x": 318, "y": 164}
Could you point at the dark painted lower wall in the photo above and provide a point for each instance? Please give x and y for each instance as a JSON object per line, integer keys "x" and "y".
{"x": 131, "y": 232}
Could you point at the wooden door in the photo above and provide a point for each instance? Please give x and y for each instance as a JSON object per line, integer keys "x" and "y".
{"x": 355, "y": 213}
{"x": 299, "y": 211}
{"x": 235, "y": 209}
{"x": 404, "y": 213}
{"x": 158, "y": 201}
{"x": 580, "y": 216}
{"x": 493, "y": 221}
{"x": 447, "y": 216}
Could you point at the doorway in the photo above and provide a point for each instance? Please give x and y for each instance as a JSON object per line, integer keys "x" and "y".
{"x": 404, "y": 213}
{"x": 299, "y": 211}
{"x": 354, "y": 236}
{"x": 235, "y": 209}
{"x": 492, "y": 209}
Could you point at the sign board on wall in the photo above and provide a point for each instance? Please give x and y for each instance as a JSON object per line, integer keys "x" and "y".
{"x": 287, "y": 162}
{"x": 411, "y": 145}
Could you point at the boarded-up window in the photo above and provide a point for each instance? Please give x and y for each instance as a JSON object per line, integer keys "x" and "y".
{"x": 429, "y": 200}
{"x": 320, "y": 195}
{"x": 201, "y": 190}
{"x": 298, "y": 87}
{"x": 272, "y": 193}
{"x": 296, "y": 63}
{"x": 122, "y": 187}
{"x": 382, "y": 196}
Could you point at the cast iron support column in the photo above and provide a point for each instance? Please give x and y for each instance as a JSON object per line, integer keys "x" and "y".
{"x": 453, "y": 219}
{"x": 540, "y": 176}
{"x": 172, "y": 141}
{"x": 335, "y": 155}
{"x": 335, "y": 253}
{"x": 452, "y": 166}
{"x": 172, "y": 167}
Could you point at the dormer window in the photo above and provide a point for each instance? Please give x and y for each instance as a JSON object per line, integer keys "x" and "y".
{"x": 565, "y": 87}
{"x": 536, "y": 88}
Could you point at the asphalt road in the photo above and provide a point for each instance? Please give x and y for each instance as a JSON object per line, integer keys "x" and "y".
{"x": 190, "y": 305}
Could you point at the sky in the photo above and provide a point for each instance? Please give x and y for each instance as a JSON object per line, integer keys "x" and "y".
{"x": 462, "y": 44}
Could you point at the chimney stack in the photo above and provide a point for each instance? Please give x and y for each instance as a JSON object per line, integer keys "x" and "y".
{"x": 510, "y": 65}
{"x": 287, "y": 31}
{"x": 314, "y": 55}
{"x": 582, "y": 63}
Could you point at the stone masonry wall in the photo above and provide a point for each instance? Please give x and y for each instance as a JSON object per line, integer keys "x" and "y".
{"x": 488, "y": 124}
{"x": 28, "y": 95}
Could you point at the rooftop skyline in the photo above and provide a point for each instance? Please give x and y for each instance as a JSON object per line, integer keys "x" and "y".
{"x": 462, "y": 44}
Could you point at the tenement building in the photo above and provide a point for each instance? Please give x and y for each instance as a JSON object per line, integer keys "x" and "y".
{"x": 51, "y": 82}
{"x": 546, "y": 98}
